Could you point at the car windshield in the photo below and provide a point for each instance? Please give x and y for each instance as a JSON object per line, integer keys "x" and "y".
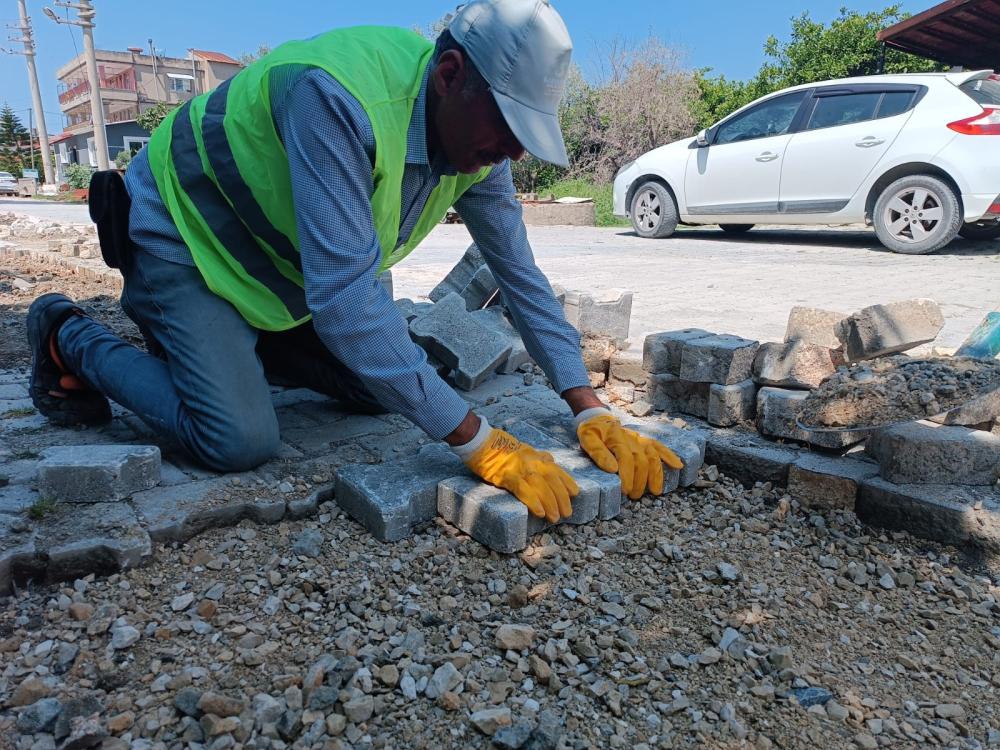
{"x": 6, "y": 176}
{"x": 985, "y": 91}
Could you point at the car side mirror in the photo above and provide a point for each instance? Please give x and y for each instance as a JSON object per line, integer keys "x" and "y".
{"x": 702, "y": 139}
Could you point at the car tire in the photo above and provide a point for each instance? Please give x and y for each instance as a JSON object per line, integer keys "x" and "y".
{"x": 917, "y": 215}
{"x": 735, "y": 228}
{"x": 653, "y": 211}
{"x": 980, "y": 230}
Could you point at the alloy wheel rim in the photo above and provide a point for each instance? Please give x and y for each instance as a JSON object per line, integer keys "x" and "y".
{"x": 647, "y": 213}
{"x": 913, "y": 214}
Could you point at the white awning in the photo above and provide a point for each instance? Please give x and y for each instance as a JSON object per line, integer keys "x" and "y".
{"x": 182, "y": 76}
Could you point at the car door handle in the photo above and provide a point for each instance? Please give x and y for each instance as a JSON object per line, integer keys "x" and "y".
{"x": 869, "y": 142}
{"x": 767, "y": 156}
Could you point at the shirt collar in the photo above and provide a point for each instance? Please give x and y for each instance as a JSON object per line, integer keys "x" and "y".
{"x": 416, "y": 134}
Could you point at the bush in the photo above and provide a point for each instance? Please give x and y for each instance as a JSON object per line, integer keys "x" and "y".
{"x": 601, "y": 193}
{"x": 123, "y": 159}
{"x": 78, "y": 176}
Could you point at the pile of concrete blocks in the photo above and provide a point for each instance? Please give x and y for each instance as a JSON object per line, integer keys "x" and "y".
{"x": 75, "y": 247}
{"x": 703, "y": 374}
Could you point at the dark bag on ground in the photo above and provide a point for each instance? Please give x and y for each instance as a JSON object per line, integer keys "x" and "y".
{"x": 109, "y": 206}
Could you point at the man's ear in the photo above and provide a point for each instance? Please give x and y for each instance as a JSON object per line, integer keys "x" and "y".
{"x": 448, "y": 75}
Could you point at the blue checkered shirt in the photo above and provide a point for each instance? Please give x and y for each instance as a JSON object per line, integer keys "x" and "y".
{"x": 331, "y": 152}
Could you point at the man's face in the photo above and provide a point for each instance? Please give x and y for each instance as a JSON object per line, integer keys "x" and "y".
{"x": 468, "y": 127}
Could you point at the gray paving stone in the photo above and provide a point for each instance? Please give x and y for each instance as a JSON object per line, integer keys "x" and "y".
{"x": 689, "y": 445}
{"x": 17, "y": 548}
{"x": 729, "y": 405}
{"x": 494, "y": 319}
{"x": 747, "y": 457}
{"x": 828, "y": 482}
{"x": 292, "y": 396}
{"x": 180, "y": 512}
{"x": 926, "y": 453}
{"x": 628, "y": 367}
{"x": 334, "y": 427}
{"x": 480, "y": 290}
{"x": 978, "y": 411}
{"x": 410, "y": 309}
{"x": 20, "y": 471}
{"x": 389, "y": 499}
{"x": 469, "y": 348}
{"x": 886, "y": 329}
{"x": 17, "y": 498}
{"x": 661, "y": 352}
{"x": 97, "y": 473}
{"x": 953, "y": 514}
{"x": 309, "y": 506}
{"x": 606, "y": 313}
{"x": 13, "y": 391}
{"x": 794, "y": 364}
{"x": 514, "y": 409}
{"x": 814, "y": 326}
{"x": 777, "y": 415}
{"x": 460, "y": 275}
{"x": 489, "y": 515}
{"x": 722, "y": 359}
{"x": 396, "y": 446}
{"x": 77, "y": 539}
{"x": 9, "y": 407}
{"x": 672, "y": 394}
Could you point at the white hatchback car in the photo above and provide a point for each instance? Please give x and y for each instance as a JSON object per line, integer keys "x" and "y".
{"x": 8, "y": 185}
{"x": 915, "y": 155}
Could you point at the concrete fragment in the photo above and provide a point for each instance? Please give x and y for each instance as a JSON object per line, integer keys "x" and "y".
{"x": 471, "y": 349}
{"x": 778, "y": 413}
{"x": 97, "y": 473}
{"x": 605, "y": 313}
{"x": 953, "y": 514}
{"x": 494, "y": 319}
{"x": 17, "y": 549}
{"x": 813, "y": 326}
{"x": 460, "y": 275}
{"x": 597, "y": 352}
{"x": 926, "y": 453}
{"x": 722, "y": 359}
{"x": 828, "y": 482}
{"x": 627, "y": 367}
{"x": 794, "y": 364}
{"x": 661, "y": 352}
{"x": 672, "y": 394}
{"x": 886, "y": 329}
{"x": 978, "y": 411}
{"x": 390, "y": 499}
{"x": 731, "y": 404}
{"x": 749, "y": 458}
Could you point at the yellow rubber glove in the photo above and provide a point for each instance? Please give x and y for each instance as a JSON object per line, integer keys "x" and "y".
{"x": 637, "y": 459}
{"x": 532, "y": 476}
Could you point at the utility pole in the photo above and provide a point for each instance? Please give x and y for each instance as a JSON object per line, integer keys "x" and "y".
{"x": 28, "y": 42}
{"x": 85, "y": 20}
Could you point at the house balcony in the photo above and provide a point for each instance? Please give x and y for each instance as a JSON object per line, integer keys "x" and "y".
{"x": 114, "y": 86}
{"x": 79, "y": 120}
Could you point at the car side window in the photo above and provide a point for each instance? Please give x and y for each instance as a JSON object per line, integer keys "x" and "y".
{"x": 773, "y": 117}
{"x": 894, "y": 103}
{"x": 846, "y": 109}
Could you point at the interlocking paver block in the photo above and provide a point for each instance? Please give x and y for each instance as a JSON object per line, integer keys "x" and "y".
{"x": 78, "y": 540}
{"x": 97, "y": 473}
{"x": 886, "y": 329}
{"x": 482, "y": 288}
{"x": 777, "y": 416}
{"x": 828, "y": 482}
{"x": 661, "y": 352}
{"x": 747, "y": 457}
{"x": 689, "y": 445}
{"x": 949, "y": 513}
{"x": 672, "y": 394}
{"x": 731, "y": 404}
{"x": 458, "y": 278}
{"x": 410, "y": 309}
{"x": 390, "y": 499}
{"x": 795, "y": 364}
{"x": 17, "y": 498}
{"x": 722, "y": 359}
{"x": 471, "y": 349}
{"x": 12, "y": 391}
{"x": 494, "y": 319}
{"x": 605, "y": 313}
{"x": 488, "y": 514}
{"x": 926, "y": 453}
{"x": 811, "y": 325}
{"x": 17, "y": 546}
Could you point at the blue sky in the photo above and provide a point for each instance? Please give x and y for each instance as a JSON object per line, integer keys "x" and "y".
{"x": 726, "y": 35}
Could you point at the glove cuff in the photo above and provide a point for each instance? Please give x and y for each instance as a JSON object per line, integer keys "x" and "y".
{"x": 467, "y": 449}
{"x": 594, "y": 411}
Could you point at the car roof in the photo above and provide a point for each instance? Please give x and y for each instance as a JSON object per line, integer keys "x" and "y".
{"x": 956, "y": 78}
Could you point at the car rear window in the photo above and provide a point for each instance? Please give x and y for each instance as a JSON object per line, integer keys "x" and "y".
{"x": 984, "y": 90}
{"x": 894, "y": 102}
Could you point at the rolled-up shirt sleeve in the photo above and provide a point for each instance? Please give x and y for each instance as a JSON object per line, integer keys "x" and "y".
{"x": 330, "y": 151}
{"x": 494, "y": 219}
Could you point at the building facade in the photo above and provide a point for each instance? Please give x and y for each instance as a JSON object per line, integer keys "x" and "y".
{"x": 131, "y": 82}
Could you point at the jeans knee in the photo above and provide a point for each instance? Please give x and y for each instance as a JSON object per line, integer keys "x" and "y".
{"x": 241, "y": 448}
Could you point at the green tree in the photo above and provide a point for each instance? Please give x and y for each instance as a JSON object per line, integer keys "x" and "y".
{"x": 248, "y": 57}
{"x": 12, "y": 130}
{"x": 151, "y": 118}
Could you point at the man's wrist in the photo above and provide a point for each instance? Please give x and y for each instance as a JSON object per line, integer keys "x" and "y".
{"x": 582, "y": 398}
{"x": 467, "y": 429}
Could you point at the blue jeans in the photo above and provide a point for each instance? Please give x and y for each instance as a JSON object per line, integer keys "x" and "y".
{"x": 208, "y": 388}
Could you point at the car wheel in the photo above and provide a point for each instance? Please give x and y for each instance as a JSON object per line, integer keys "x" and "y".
{"x": 984, "y": 230}
{"x": 653, "y": 211}
{"x": 735, "y": 228}
{"x": 917, "y": 215}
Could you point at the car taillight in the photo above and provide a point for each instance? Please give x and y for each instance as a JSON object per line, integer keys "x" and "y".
{"x": 985, "y": 123}
{"x": 995, "y": 208}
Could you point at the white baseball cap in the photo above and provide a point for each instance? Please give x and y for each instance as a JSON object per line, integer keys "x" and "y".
{"x": 522, "y": 49}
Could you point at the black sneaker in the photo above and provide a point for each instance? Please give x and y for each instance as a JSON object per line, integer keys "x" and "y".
{"x": 57, "y": 393}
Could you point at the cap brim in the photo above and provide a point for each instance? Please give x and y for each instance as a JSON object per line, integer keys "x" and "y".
{"x": 538, "y": 132}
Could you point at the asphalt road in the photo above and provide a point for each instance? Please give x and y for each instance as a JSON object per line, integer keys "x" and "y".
{"x": 700, "y": 277}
